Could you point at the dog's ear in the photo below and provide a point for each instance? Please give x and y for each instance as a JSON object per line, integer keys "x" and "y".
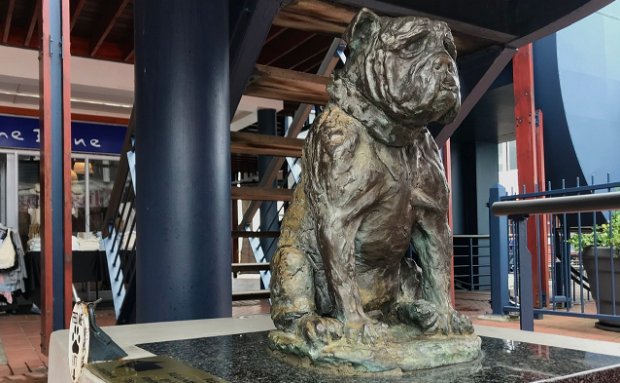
{"x": 365, "y": 24}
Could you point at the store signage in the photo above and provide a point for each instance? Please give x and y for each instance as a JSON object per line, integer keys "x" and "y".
{"x": 25, "y": 133}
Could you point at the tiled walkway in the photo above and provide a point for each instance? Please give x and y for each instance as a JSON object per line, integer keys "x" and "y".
{"x": 475, "y": 304}
{"x": 19, "y": 334}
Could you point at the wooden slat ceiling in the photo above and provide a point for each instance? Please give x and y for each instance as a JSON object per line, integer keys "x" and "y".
{"x": 103, "y": 29}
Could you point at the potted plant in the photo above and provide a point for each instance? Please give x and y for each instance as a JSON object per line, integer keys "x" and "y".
{"x": 597, "y": 251}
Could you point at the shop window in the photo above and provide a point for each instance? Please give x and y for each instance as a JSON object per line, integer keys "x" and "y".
{"x": 101, "y": 181}
{"x": 28, "y": 195}
{"x": 89, "y": 177}
{"x": 79, "y": 180}
{"x": 3, "y": 190}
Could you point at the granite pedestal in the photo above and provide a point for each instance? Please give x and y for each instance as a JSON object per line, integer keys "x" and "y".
{"x": 245, "y": 358}
{"x": 236, "y": 351}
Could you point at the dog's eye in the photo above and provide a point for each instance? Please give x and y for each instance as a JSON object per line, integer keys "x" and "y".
{"x": 415, "y": 43}
{"x": 448, "y": 44}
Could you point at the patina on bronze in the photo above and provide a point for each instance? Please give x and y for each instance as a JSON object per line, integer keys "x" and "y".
{"x": 343, "y": 292}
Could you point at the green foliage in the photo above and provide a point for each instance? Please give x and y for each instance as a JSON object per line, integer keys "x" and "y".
{"x": 603, "y": 238}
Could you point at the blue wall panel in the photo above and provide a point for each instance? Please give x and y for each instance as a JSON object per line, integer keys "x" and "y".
{"x": 578, "y": 88}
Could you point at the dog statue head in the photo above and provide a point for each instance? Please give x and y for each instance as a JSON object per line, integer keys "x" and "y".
{"x": 403, "y": 66}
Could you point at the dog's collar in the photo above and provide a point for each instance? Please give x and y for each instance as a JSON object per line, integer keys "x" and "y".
{"x": 384, "y": 129}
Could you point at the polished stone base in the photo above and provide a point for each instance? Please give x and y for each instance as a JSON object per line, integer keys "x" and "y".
{"x": 245, "y": 358}
{"x": 392, "y": 353}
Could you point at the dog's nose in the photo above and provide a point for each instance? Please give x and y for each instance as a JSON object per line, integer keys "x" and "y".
{"x": 443, "y": 63}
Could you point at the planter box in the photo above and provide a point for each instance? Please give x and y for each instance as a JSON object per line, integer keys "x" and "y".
{"x": 604, "y": 298}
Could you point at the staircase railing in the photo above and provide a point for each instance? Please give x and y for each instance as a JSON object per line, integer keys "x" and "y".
{"x": 119, "y": 233}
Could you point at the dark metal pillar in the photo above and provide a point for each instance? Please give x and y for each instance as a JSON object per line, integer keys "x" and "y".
{"x": 55, "y": 120}
{"x": 498, "y": 232}
{"x": 268, "y": 210}
{"x": 526, "y": 293}
{"x": 183, "y": 168}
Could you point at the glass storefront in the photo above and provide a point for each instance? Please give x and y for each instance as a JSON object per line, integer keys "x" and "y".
{"x": 2, "y": 188}
{"x": 92, "y": 180}
{"x": 28, "y": 191}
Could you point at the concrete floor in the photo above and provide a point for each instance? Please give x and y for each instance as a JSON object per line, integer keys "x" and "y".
{"x": 20, "y": 339}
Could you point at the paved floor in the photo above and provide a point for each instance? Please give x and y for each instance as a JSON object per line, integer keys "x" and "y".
{"x": 20, "y": 339}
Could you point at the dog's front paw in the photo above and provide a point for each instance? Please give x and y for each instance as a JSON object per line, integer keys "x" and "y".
{"x": 430, "y": 320}
{"x": 364, "y": 330}
{"x": 424, "y": 315}
{"x": 460, "y": 324}
{"x": 318, "y": 330}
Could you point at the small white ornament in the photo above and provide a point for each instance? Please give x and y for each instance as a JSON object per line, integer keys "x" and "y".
{"x": 79, "y": 331}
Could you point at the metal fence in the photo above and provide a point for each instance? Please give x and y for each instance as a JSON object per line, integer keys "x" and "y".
{"x": 555, "y": 252}
{"x": 472, "y": 262}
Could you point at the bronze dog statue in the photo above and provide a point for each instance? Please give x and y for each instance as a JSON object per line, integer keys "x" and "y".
{"x": 373, "y": 182}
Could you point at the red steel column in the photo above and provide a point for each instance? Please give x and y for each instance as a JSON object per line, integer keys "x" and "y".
{"x": 447, "y": 165}
{"x": 540, "y": 151}
{"x": 55, "y": 121}
{"x": 543, "y": 223}
{"x": 47, "y": 269}
{"x": 528, "y": 164}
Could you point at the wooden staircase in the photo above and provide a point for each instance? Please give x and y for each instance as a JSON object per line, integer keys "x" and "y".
{"x": 307, "y": 89}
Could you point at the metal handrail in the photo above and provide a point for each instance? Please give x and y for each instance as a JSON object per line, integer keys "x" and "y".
{"x": 559, "y": 205}
{"x": 121, "y": 177}
{"x": 563, "y": 191}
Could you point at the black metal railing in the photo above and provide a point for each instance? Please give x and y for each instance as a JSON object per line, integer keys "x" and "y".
{"x": 564, "y": 271}
{"x": 121, "y": 253}
{"x": 120, "y": 234}
{"x": 472, "y": 262}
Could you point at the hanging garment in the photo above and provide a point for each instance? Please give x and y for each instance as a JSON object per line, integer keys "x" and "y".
{"x": 7, "y": 252}
{"x": 13, "y": 279}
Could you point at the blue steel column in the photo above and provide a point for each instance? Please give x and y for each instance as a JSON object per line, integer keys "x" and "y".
{"x": 498, "y": 232}
{"x": 268, "y": 210}
{"x": 183, "y": 160}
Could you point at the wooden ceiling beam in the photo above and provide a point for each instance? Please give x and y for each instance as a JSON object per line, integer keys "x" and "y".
{"x": 301, "y": 115}
{"x": 33, "y": 22}
{"x": 253, "y": 193}
{"x": 318, "y": 54}
{"x": 273, "y": 33}
{"x": 80, "y": 46}
{"x": 129, "y": 46}
{"x": 266, "y": 145}
{"x": 288, "y": 85}
{"x": 130, "y": 56}
{"x": 284, "y": 52}
{"x": 312, "y": 51}
{"x": 79, "y": 5}
{"x": 431, "y": 9}
{"x": 272, "y": 50}
{"x": 315, "y": 16}
{"x": 107, "y": 25}
{"x": 8, "y": 20}
{"x": 332, "y": 19}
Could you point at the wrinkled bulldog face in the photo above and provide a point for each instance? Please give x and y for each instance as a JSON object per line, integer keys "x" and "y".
{"x": 406, "y": 66}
